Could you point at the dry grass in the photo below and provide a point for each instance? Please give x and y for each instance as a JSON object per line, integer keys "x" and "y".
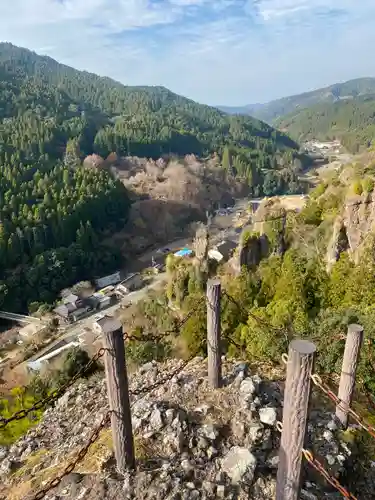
{"x": 98, "y": 453}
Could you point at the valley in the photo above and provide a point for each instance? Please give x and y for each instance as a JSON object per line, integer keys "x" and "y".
{"x": 119, "y": 204}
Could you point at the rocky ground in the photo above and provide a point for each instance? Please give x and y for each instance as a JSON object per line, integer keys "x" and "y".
{"x": 191, "y": 442}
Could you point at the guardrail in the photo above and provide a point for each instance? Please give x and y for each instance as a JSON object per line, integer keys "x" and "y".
{"x": 19, "y": 317}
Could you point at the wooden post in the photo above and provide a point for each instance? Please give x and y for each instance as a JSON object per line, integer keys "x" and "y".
{"x": 213, "y": 333}
{"x": 348, "y": 372}
{"x": 296, "y": 405}
{"x": 118, "y": 396}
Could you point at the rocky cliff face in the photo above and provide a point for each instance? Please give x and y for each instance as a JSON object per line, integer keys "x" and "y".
{"x": 352, "y": 228}
{"x": 191, "y": 442}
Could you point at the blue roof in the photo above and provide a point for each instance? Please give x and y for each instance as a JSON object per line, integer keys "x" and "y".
{"x": 183, "y": 252}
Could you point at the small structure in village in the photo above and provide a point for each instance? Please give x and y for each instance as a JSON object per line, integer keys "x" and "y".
{"x": 223, "y": 251}
{"x": 111, "y": 279}
{"x": 130, "y": 283}
{"x": 74, "y": 308}
{"x": 184, "y": 252}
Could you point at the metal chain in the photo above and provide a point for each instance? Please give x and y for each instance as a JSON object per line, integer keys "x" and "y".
{"x": 255, "y": 318}
{"x": 20, "y": 414}
{"x": 149, "y": 337}
{"x": 163, "y": 380}
{"x": 95, "y": 434}
{"x": 341, "y": 404}
{"x": 314, "y": 462}
{"x": 78, "y": 458}
{"x": 320, "y": 468}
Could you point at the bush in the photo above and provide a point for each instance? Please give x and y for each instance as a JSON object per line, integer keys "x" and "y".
{"x": 368, "y": 185}
{"x": 312, "y": 214}
{"x": 318, "y": 191}
{"x": 141, "y": 352}
{"x": 75, "y": 360}
{"x": 357, "y": 188}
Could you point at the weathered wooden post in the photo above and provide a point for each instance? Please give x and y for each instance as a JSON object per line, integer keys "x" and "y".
{"x": 118, "y": 396}
{"x": 296, "y": 406}
{"x": 213, "y": 333}
{"x": 348, "y": 372}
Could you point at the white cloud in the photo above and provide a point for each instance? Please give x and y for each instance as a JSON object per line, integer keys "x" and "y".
{"x": 223, "y": 52}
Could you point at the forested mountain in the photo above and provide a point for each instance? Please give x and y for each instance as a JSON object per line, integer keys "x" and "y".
{"x": 54, "y": 212}
{"x": 350, "y": 120}
{"x": 142, "y": 121}
{"x": 280, "y": 107}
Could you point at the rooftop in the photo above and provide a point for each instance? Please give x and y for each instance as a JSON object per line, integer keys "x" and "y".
{"x": 109, "y": 324}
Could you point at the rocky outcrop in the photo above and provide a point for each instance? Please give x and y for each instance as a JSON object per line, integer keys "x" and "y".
{"x": 352, "y": 228}
{"x": 191, "y": 442}
{"x": 338, "y": 243}
{"x": 249, "y": 252}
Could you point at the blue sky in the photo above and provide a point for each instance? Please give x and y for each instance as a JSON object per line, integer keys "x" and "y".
{"x": 228, "y": 52}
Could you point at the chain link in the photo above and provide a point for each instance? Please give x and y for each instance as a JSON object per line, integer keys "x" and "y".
{"x": 149, "y": 337}
{"x": 341, "y": 404}
{"x": 314, "y": 462}
{"x": 163, "y": 380}
{"x": 55, "y": 395}
{"x": 95, "y": 434}
{"x": 78, "y": 458}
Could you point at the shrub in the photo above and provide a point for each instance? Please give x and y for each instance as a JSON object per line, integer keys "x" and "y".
{"x": 75, "y": 360}
{"x": 318, "y": 191}
{"x": 368, "y": 185}
{"x": 357, "y": 187}
{"x": 312, "y": 213}
{"x": 141, "y": 352}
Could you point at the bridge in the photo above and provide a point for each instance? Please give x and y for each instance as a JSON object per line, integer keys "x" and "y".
{"x": 20, "y": 318}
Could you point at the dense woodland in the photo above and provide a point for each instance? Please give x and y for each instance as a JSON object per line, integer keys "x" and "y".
{"x": 51, "y": 117}
{"x": 277, "y": 108}
{"x": 350, "y": 120}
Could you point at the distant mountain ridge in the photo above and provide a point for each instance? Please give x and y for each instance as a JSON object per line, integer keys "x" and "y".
{"x": 351, "y": 120}
{"x": 273, "y": 110}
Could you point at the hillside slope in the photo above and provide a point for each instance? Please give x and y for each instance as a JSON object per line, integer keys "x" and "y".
{"x": 350, "y": 120}
{"x": 143, "y": 121}
{"x": 280, "y": 107}
{"x": 54, "y": 209}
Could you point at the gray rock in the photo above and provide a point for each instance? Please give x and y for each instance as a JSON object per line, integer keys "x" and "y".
{"x": 220, "y": 491}
{"x": 268, "y": 415}
{"x": 169, "y": 415}
{"x": 273, "y": 460}
{"x": 202, "y": 443}
{"x": 307, "y": 495}
{"x": 209, "y": 431}
{"x": 186, "y": 465}
{"x": 3, "y": 452}
{"x": 146, "y": 367}
{"x": 332, "y": 426}
{"x": 255, "y": 432}
{"x": 328, "y": 435}
{"x": 212, "y": 452}
{"x": 156, "y": 420}
{"x": 208, "y": 487}
{"x": 239, "y": 462}
{"x": 247, "y": 388}
{"x": 8, "y": 465}
{"x": 238, "y": 429}
{"x": 203, "y": 409}
{"x": 238, "y": 380}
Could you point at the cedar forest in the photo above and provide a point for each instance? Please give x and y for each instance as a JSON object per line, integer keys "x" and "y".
{"x": 54, "y": 212}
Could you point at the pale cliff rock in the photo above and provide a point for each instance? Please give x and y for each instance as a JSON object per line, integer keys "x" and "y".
{"x": 352, "y": 228}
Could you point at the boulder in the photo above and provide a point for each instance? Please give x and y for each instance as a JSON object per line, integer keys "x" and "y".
{"x": 239, "y": 464}
{"x": 268, "y": 415}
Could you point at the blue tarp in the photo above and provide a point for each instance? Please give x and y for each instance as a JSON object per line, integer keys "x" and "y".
{"x": 183, "y": 252}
